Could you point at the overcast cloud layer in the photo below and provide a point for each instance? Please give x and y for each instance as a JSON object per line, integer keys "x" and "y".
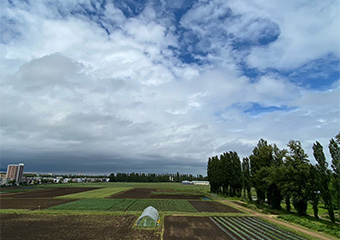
{"x": 159, "y": 86}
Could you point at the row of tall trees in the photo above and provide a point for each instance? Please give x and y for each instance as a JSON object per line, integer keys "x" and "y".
{"x": 280, "y": 174}
{"x": 152, "y": 177}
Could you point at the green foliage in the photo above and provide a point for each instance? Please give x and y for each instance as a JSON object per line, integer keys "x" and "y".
{"x": 261, "y": 157}
{"x": 246, "y": 177}
{"x": 334, "y": 150}
{"x": 127, "y": 205}
{"x": 162, "y": 205}
{"x": 225, "y": 174}
{"x": 90, "y": 204}
{"x": 215, "y": 174}
{"x": 146, "y": 222}
{"x": 314, "y": 224}
{"x": 323, "y": 179}
{"x": 298, "y": 167}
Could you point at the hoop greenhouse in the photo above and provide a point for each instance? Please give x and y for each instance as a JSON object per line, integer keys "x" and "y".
{"x": 149, "y": 218}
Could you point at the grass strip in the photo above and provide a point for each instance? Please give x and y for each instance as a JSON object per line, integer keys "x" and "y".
{"x": 311, "y": 223}
{"x": 97, "y": 193}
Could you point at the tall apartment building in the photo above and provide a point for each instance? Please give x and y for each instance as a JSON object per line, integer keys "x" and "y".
{"x": 15, "y": 172}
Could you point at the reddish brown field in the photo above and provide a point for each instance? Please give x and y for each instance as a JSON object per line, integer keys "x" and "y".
{"x": 46, "y": 193}
{"x": 144, "y": 193}
{"x": 31, "y": 204}
{"x": 134, "y": 193}
{"x": 210, "y": 206}
{"x": 27, "y": 226}
{"x": 195, "y": 228}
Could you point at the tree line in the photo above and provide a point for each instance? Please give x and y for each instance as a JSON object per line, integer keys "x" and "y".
{"x": 280, "y": 175}
{"x": 152, "y": 177}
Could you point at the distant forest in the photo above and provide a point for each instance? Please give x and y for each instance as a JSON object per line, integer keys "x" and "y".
{"x": 152, "y": 177}
{"x": 280, "y": 174}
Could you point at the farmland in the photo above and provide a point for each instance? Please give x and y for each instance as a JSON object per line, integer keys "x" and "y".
{"x": 234, "y": 228}
{"x": 127, "y": 205}
{"x": 97, "y": 193}
{"x": 46, "y": 193}
{"x": 87, "y": 227}
{"x": 187, "y": 212}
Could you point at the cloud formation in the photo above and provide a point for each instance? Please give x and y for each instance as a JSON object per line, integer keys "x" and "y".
{"x": 159, "y": 87}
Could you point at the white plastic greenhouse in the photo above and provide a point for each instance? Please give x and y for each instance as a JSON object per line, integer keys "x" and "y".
{"x": 149, "y": 218}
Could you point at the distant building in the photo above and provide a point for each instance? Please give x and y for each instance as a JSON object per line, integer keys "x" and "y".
{"x": 203, "y": 183}
{"x": 4, "y": 181}
{"x": 15, "y": 172}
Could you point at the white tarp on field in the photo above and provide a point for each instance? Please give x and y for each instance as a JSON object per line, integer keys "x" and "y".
{"x": 149, "y": 212}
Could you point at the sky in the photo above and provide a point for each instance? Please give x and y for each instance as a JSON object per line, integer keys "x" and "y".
{"x": 159, "y": 86}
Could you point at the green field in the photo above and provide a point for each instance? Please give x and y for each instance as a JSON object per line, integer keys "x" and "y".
{"x": 127, "y": 205}
{"x": 163, "y": 205}
{"x": 97, "y": 193}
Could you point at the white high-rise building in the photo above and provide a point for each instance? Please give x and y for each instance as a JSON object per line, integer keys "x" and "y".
{"x": 15, "y": 172}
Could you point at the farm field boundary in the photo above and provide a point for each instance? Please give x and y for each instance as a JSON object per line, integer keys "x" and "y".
{"x": 86, "y": 227}
{"x": 251, "y": 228}
{"x": 47, "y": 192}
{"x": 311, "y": 234}
{"x": 127, "y": 205}
{"x": 97, "y": 193}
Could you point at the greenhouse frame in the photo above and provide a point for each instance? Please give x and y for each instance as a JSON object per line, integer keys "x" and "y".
{"x": 149, "y": 218}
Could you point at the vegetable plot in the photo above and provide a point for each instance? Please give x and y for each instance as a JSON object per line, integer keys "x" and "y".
{"x": 251, "y": 228}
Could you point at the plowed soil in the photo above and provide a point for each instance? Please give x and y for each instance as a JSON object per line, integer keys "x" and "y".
{"x": 46, "y": 193}
{"x": 195, "y": 228}
{"x": 136, "y": 193}
{"x": 28, "y": 226}
{"x": 31, "y": 204}
{"x": 210, "y": 206}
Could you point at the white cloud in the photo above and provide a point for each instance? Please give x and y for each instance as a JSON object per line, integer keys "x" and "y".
{"x": 69, "y": 86}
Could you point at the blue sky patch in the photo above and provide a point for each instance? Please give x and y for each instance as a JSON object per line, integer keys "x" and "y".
{"x": 257, "y": 109}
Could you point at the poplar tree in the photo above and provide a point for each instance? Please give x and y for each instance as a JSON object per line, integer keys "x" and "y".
{"x": 335, "y": 180}
{"x": 325, "y": 178}
{"x": 298, "y": 167}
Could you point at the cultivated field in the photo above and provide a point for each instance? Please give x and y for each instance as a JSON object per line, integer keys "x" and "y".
{"x": 97, "y": 193}
{"x": 46, "y": 193}
{"x": 216, "y": 228}
{"x": 84, "y": 227}
{"x": 109, "y": 211}
{"x": 30, "y": 203}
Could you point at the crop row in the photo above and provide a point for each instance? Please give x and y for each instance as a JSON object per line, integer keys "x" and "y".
{"x": 97, "y": 193}
{"x": 251, "y": 228}
{"x": 127, "y": 205}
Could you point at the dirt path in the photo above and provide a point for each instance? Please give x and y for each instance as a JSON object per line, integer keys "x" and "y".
{"x": 273, "y": 218}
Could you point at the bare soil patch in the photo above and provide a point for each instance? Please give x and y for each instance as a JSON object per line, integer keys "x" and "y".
{"x": 47, "y": 193}
{"x": 31, "y": 204}
{"x": 93, "y": 227}
{"x": 210, "y": 206}
{"x": 196, "y": 228}
{"x": 136, "y": 193}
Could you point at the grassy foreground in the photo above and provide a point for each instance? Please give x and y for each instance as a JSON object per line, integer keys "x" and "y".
{"x": 311, "y": 223}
